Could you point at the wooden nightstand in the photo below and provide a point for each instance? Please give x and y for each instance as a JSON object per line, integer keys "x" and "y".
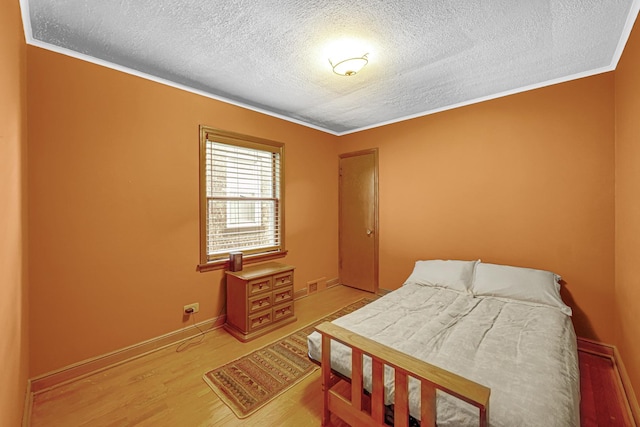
{"x": 259, "y": 300}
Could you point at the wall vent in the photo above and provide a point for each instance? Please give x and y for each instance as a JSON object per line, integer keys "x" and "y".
{"x": 312, "y": 287}
{"x": 316, "y": 285}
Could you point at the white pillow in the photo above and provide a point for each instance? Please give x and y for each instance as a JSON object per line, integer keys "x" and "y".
{"x": 538, "y": 287}
{"x": 450, "y": 274}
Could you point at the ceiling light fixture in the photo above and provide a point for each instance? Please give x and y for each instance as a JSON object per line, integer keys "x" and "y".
{"x": 349, "y": 66}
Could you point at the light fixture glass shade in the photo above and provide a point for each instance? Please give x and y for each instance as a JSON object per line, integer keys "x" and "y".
{"x": 350, "y": 66}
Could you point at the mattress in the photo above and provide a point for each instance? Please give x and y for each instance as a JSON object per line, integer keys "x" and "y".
{"x": 526, "y": 354}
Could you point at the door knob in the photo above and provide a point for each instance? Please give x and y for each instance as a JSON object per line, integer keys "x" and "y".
{"x": 369, "y": 232}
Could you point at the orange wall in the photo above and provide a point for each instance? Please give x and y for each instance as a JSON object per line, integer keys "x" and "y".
{"x": 113, "y": 200}
{"x": 13, "y": 283}
{"x": 627, "y": 235}
{"x": 524, "y": 180}
{"x": 113, "y": 193}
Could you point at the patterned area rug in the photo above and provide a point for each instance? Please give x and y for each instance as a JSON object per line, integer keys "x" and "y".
{"x": 252, "y": 381}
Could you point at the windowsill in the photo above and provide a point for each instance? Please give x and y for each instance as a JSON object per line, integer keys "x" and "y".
{"x": 248, "y": 259}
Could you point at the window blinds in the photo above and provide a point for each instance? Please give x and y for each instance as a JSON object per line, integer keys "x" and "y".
{"x": 243, "y": 199}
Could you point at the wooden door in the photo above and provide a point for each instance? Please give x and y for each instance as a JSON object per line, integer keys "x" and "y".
{"x": 358, "y": 220}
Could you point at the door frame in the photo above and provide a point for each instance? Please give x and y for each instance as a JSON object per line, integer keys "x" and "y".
{"x": 376, "y": 267}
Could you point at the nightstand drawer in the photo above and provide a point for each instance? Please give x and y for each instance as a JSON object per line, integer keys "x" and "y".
{"x": 259, "y": 320}
{"x": 282, "y": 295}
{"x": 282, "y": 311}
{"x": 283, "y": 279}
{"x": 259, "y": 302}
{"x": 258, "y": 286}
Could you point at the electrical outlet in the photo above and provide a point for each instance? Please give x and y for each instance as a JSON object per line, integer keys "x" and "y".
{"x": 191, "y": 308}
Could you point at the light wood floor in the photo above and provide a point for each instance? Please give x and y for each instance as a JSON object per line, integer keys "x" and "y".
{"x": 166, "y": 388}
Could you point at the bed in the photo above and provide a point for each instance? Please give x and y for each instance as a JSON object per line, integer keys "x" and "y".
{"x": 487, "y": 329}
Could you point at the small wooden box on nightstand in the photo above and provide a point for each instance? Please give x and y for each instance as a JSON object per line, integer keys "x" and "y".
{"x": 259, "y": 300}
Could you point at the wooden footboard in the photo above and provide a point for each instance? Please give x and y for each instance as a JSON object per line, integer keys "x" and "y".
{"x": 431, "y": 379}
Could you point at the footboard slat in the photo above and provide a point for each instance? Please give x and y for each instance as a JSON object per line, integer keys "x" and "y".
{"x": 431, "y": 378}
{"x": 401, "y": 401}
{"x": 377, "y": 394}
{"x": 340, "y": 405}
{"x": 326, "y": 378}
{"x": 356, "y": 379}
{"x": 427, "y": 404}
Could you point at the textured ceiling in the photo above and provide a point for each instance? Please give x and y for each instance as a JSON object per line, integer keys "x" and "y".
{"x": 271, "y": 56}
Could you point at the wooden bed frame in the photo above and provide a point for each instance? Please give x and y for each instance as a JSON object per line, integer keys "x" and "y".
{"x": 431, "y": 379}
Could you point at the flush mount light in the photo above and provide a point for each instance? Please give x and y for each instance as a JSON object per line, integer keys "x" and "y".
{"x": 349, "y": 66}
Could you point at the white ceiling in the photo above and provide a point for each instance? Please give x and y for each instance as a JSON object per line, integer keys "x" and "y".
{"x": 271, "y": 56}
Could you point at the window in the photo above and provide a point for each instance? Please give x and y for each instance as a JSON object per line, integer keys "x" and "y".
{"x": 240, "y": 197}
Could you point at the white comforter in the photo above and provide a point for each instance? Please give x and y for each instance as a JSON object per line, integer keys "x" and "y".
{"x": 526, "y": 354}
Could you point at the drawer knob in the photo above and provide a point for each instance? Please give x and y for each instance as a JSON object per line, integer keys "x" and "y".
{"x": 260, "y": 320}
